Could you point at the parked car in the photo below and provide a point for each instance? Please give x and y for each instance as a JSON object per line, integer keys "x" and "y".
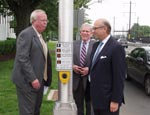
{"x": 123, "y": 42}
{"x": 138, "y": 67}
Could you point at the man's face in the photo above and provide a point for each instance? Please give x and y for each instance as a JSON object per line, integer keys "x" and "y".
{"x": 41, "y": 22}
{"x": 85, "y": 33}
{"x": 98, "y": 30}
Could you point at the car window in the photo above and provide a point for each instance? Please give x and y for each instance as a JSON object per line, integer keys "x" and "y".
{"x": 142, "y": 54}
{"x": 134, "y": 53}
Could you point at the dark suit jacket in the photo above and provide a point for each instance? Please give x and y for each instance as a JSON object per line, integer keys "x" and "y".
{"x": 30, "y": 61}
{"x": 107, "y": 75}
{"x": 76, "y": 61}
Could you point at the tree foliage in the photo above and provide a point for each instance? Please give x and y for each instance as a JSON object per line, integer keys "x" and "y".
{"x": 81, "y": 3}
{"x": 21, "y": 9}
{"x": 138, "y": 31}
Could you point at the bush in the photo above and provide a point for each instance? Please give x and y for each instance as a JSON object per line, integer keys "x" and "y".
{"x": 8, "y": 46}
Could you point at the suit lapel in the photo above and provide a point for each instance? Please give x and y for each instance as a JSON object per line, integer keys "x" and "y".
{"x": 78, "y": 51}
{"x": 89, "y": 48}
{"x": 88, "y": 52}
{"x": 102, "y": 51}
{"x": 36, "y": 39}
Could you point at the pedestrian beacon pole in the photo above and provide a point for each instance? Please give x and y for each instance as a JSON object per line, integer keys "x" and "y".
{"x": 65, "y": 104}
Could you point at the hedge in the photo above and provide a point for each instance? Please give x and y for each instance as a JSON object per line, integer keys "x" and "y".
{"x": 8, "y": 46}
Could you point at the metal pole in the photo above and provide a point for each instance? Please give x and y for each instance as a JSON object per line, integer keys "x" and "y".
{"x": 65, "y": 104}
{"x": 129, "y": 36}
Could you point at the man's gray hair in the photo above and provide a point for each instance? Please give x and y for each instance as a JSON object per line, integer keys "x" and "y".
{"x": 35, "y": 13}
{"x": 87, "y": 25}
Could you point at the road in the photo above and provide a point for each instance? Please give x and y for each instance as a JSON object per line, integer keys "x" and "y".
{"x": 137, "y": 102}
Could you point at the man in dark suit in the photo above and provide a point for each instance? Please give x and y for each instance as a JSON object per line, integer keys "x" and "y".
{"x": 81, "y": 61}
{"x": 107, "y": 71}
{"x": 32, "y": 67}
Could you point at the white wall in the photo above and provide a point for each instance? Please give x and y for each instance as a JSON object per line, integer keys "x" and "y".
{"x": 3, "y": 32}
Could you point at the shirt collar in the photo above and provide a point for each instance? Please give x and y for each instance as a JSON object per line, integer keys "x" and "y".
{"x": 87, "y": 42}
{"x": 38, "y": 34}
{"x": 106, "y": 39}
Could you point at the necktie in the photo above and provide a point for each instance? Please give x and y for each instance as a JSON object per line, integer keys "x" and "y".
{"x": 97, "y": 52}
{"x": 45, "y": 54}
{"x": 83, "y": 55}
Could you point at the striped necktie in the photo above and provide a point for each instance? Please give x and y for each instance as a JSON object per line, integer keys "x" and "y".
{"x": 83, "y": 55}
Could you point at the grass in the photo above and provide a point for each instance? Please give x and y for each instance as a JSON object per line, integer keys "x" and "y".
{"x": 8, "y": 98}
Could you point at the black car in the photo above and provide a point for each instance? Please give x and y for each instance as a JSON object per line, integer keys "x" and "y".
{"x": 138, "y": 66}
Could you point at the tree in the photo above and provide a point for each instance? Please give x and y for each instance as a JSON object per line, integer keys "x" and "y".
{"x": 138, "y": 31}
{"x": 81, "y": 3}
{"x": 21, "y": 9}
{"x": 51, "y": 7}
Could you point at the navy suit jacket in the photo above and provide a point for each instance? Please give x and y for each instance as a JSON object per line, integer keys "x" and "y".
{"x": 107, "y": 75}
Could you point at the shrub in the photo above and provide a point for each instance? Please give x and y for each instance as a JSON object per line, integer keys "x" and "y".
{"x": 8, "y": 46}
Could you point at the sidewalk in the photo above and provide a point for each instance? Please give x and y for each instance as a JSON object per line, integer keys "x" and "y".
{"x": 53, "y": 95}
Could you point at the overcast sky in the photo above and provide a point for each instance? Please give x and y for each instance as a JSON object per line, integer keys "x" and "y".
{"x": 117, "y": 12}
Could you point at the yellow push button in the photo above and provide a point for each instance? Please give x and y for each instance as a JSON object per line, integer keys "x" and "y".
{"x": 64, "y": 76}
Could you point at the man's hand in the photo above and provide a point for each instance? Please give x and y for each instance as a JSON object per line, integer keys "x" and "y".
{"x": 76, "y": 69}
{"x": 114, "y": 106}
{"x": 36, "y": 84}
{"x": 84, "y": 71}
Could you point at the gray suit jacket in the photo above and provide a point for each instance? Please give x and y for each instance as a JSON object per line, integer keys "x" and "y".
{"x": 76, "y": 61}
{"x": 29, "y": 61}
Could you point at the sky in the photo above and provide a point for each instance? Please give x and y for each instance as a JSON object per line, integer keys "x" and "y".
{"x": 117, "y": 12}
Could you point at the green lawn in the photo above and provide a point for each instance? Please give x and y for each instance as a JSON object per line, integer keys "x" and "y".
{"x": 8, "y": 98}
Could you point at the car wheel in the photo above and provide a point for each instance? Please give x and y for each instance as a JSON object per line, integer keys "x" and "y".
{"x": 147, "y": 85}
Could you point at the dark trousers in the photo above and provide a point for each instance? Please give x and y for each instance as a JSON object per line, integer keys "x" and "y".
{"x": 105, "y": 112}
{"x": 82, "y": 96}
{"x": 29, "y": 101}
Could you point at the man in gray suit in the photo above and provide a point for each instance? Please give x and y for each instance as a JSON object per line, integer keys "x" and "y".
{"x": 32, "y": 67}
{"x": 81, "y": 60}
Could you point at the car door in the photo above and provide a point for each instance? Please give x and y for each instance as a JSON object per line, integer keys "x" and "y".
{"x": 140, "y": 68}
{"x": 131, "y": 61}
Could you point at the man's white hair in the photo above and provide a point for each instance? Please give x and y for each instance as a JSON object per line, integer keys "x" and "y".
{"x": 87, "y": 25}
{"x": 35, "y": 13}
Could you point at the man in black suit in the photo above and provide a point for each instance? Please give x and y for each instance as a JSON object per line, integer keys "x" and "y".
{"x": 81, "y": 61}
{"x": 32, "y": 67}
{"x": 107, "y": 71}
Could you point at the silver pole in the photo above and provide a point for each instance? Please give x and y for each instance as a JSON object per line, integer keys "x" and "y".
{"x": 65, "y": 104}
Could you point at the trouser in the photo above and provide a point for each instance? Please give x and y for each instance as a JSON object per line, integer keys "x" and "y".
{"x": 29, "y": 101}
{"x": 82, "y": 96}
{"x": 105, "y": 112}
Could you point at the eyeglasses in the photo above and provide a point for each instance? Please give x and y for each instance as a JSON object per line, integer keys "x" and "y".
{"x": 94, "y": 28}
{"x": 44, "y": 20}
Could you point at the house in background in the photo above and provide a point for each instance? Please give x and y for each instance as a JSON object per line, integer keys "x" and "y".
{"x": 5, "y": 30}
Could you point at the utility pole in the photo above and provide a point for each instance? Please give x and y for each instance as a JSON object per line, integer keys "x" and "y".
{"x": 129, "y": 34}
{"x": 65, "y": 104}
{"x": 114, "y": 23}
{"x": 137, "y": 28}
{"x": 130, "y": 18}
